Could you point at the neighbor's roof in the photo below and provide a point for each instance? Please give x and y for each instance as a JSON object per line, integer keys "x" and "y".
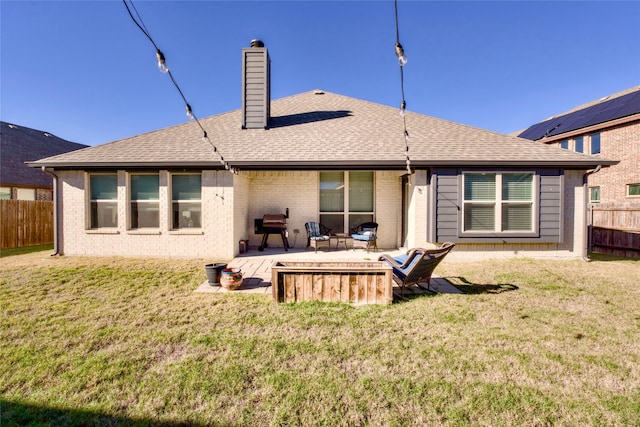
{"x": 19, "y": 144}
{"x": 317, "y": 130}
{"x": 613, "y": 107}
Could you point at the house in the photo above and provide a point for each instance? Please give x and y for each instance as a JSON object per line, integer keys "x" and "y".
{"x": 19, "y": 144}
{"x": 610, "y": 128}
{"x": 321, "y": 157}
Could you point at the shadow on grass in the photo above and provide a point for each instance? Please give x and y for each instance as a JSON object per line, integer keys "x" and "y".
{"x": 21, "y": 414}
{"x": 470, "y": 288}
{"x": 25, "y": 250}
{"x": 594, "y": 256}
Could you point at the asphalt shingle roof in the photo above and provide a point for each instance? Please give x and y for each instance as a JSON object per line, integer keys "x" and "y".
{"x": 19, "y": 144}
{"x": 319, "y": 129}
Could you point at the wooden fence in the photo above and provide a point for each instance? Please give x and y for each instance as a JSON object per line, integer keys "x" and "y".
{"x": 25, "y": 223}
{"x": 615, "y": 231}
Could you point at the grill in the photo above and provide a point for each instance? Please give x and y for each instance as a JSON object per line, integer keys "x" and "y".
{"x": 274, "y": 224}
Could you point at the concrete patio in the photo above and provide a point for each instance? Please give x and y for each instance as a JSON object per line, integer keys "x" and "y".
{"x": 256, "y": 269}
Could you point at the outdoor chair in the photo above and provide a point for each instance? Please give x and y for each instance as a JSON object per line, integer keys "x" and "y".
{"x": 365, "y": 236}
{"x": 317, "y": 235}
{"x": 416, "y": 267}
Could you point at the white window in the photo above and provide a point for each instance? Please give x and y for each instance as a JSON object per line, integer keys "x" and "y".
{"x": 186, "y": 201}
{"x": 103, "y": 200}
{"x": 346, "y": 199}
{"x": 594, "y": 194}
{"x": 564, "y": 144}
{"x": 498, "y": 202}
{"x": 633, "y": 190}
{"x": 5, "y": 193}
{"x": 145, "y": 201}
{"x": 579, "y": 144}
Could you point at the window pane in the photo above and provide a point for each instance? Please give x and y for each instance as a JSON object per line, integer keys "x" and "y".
{"x": 334, "y": 222}
{"x": 104, "y": 214}
{"x": 145, "y": 215}
{"x": 145, "y": 187}
{"x": 186, "y": 215}
{"x": 594, "y": 194}
{"x": 634, "y": 189}
{"x": 564, "y": 144}
{"x": 579, "y": 144}
{"x": 516, "y": 217}
{"x": 357, "y": 219}
{"x": 360, "y": 191}
{"x": 479, "y": 217}
{"x": 331, "y": 192}
{"x": 186, "y": 187}
{"x": 104, "y": 187}
{"x": 595, "y": 143}
{"x": 517, "y": 186}
{"x": 479, "y": 186}
{"x": 5, "y": 193}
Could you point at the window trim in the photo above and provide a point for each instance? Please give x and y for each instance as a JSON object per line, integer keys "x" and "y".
{"x": 130, "y": 202}
{"x": 628, "y": 188}
{"x": 591, "y": 200}
{"x": 498, "y": 203}
{"x": 183, "y": 230}
{"x": 346, "y": 213}
{"x": 89, "y": 225}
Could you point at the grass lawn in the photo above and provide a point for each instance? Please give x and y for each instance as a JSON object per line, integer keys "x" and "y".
{"x": 108, "y": 341}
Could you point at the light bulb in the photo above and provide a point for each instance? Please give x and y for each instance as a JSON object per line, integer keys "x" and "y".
{"x": 402, "y": 59}
{"x": 162, "y": 63}
{"x": 204, "y": 136}
{"x": 406, "y": 135}
{"x": 403, "y": 107}
{"x": 190, "y": 115}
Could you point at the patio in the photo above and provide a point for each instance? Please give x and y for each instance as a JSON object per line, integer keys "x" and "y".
{"x": 256, "y": 269}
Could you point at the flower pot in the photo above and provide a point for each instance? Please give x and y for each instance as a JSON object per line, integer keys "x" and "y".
{"x": 231, "y": 278}
{"x": 213, "y": 272}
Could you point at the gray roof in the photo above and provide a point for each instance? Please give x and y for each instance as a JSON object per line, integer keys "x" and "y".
{"x": 19, "y": 144}
{"x": 319, "y": 129}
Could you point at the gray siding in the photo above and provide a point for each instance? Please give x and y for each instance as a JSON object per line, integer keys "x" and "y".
{"x": 447, "y": 208}
{"x": 256, "y": 91}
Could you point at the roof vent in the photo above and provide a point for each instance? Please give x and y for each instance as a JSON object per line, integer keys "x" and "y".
{"x": 318, "y": 92}
{"x": 48, "y": 135}
{"x": 257, "y": 43}
{"x": 13, "y": 126}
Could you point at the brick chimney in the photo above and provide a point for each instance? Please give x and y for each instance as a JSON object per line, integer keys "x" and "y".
{"x": 256, "y": 86}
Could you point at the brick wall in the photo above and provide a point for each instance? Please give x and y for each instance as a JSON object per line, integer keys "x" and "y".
{"x": 619, "y": 143}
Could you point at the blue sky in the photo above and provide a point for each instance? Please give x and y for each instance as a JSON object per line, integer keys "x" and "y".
{"x": 83, "y": 71}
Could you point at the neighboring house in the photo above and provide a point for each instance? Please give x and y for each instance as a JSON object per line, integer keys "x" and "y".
{"x": 324, "y": 157}
{"x": 19, "y": 144}
{"x": 610, "y": 128}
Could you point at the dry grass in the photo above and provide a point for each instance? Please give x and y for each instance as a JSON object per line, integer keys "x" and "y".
{"x": 121, "y": 341}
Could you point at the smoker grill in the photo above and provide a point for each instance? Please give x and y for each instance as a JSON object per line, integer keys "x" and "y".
{"x": 274, "y": 224}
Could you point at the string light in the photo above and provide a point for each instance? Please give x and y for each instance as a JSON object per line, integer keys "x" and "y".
{"x": 164, "y": 68}
{"x": 402, "y": 61}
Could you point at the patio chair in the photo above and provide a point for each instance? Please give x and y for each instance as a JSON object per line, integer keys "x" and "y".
{"x": 317, "y": 235}
{"x": 416, "y": 267}
{"x": 365, "y": 236}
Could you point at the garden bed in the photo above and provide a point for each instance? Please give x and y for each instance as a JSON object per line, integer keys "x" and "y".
{"x": 360, "y": 282}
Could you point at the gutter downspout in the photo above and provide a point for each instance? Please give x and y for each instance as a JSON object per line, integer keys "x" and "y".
{"x": 55, "y": 209}
{"x": 585, "y": 177}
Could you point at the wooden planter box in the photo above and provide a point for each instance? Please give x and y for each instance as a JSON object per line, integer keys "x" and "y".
{"x": 359, "y": 282}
